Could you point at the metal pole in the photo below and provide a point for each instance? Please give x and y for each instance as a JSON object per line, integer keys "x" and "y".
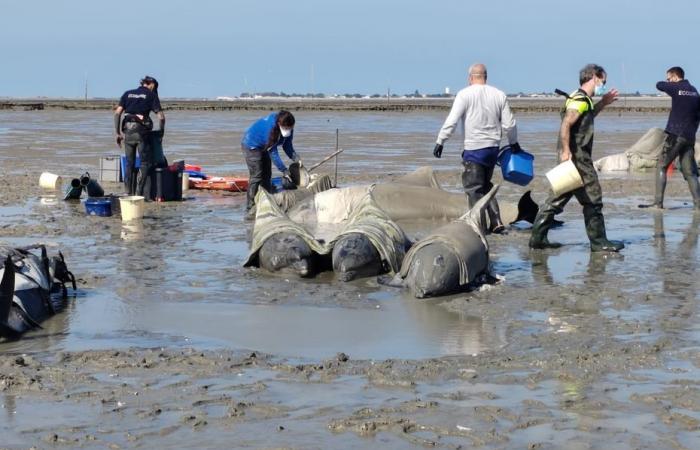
{"x": 335, "y": 182}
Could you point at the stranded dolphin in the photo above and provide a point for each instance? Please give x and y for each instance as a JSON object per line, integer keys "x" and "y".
{"x": 354, "y": 256}
{"x": 287, "y": 252}
{"x": 368, "y": 242}
{"x": 450, "y": 258}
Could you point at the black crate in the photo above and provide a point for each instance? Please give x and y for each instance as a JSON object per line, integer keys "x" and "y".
{"x": 166, "y": 184}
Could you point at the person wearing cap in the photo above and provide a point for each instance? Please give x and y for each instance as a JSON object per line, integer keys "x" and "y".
{"x": 576, "y": 143}
{"x": 133, "y": 130}
{"x": 259, "y": 146}
{"x": 486, "y": 116}
{"x": 680, "y": 135}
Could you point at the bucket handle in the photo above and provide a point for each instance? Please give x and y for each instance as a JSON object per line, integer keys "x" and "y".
{"x": 500, "y": 153}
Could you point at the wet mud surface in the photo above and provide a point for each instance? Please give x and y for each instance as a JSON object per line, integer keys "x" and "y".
{"x": 170, "y": 343}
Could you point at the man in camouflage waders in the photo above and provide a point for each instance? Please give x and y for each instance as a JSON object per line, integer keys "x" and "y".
{"x": 576, "y": 143}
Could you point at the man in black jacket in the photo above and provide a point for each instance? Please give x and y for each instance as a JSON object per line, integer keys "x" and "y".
{"x": 680, "y": 135}
{"x": 137, "y": 105}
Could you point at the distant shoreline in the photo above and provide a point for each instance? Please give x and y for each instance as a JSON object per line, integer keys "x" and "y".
{"x": 518, "y": 104}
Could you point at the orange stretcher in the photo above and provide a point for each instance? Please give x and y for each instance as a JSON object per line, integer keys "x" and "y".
{"x": 231, "y": 184}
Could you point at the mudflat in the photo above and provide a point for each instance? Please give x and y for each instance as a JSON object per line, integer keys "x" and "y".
{"x": 170, "y": 343}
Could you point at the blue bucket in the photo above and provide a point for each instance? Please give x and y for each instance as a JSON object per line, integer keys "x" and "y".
{"x": 98, "y": 206}
{"x": 517, "y": 167}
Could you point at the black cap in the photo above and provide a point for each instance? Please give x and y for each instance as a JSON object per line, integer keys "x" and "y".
{"x": 148, "y": 80}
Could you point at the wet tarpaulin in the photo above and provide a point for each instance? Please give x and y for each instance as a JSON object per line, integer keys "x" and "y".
{"x": 327, "y": 219}
{"x": 642, "y": 155}
{"x": 288, "y": 198}
{"x": 458, "y": 236}
{"x": 415, "y": 196}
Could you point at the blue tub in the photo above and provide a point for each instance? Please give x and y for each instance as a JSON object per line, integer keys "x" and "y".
{"x": 98, "y": 206}
{"x": 518, "y": 167}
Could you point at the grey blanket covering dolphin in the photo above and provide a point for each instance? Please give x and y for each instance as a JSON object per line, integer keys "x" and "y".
{"x": 450, "y": 258}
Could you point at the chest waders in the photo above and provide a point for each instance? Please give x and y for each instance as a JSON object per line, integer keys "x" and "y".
{"x": 590, "y": 195}
{"x": 683, "y": 149}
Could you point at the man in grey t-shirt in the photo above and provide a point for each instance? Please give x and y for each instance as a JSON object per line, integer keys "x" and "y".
{"x": 486, "y": 116}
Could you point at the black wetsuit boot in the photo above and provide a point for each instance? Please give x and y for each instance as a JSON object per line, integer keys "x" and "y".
{"x": 494, "y": 212}
{"x": 540, "y": 228}
{"x": 694, "y": 186}
{"x": 691, "y": 177}
{"x": 660, "y": 188}
{"x": 595, "y": 228}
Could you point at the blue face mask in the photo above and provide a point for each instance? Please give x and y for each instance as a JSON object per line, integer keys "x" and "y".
{"x": 600, "y": 89}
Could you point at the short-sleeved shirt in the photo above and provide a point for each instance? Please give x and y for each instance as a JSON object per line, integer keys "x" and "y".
{"x": 581, "y": 138}
{"x": 685, "y": 108}
{"x": 140, "y": 101}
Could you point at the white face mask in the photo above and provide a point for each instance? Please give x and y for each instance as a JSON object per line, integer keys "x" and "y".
{"x": 286, "y": 132}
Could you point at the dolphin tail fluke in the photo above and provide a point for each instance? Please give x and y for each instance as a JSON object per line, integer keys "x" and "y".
{"x": 527, "y": 208}
{"x": 478, "y": 212}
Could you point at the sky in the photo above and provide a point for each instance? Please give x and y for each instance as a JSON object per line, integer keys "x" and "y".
{"x": 208, "y": 48}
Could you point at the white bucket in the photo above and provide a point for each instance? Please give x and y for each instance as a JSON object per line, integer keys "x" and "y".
{"x": 50, "y": 181}
{"x": 564, "y": 178}
{"x": 131, "y": 207}
{"x": 185, "y": 182}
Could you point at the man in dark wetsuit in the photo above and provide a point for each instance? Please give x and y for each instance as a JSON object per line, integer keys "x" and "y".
{"x": 576, "y": 143}
{"x": 134, "y": 130}
{"x": 680, "y": 135}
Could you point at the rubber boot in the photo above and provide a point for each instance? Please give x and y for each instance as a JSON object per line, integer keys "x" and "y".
{"x": 495, "y": 221}
{"x": 658, "y": 190}
{"x": 595, "y": 228}
{"x": 694, "y": 187}
{"x": 538, "y": 239}
{"x": 74, "y": 190}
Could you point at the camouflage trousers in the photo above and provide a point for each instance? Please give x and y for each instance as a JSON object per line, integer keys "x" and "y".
{"x": 590, "y": 195}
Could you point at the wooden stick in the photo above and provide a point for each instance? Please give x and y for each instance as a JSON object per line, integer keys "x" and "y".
{"x": 324, "y": 160}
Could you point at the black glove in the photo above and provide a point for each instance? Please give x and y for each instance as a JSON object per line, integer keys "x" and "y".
{"x": 286, "y": 174}
{"x": 437, "y": 151}
{"x": 515, "y": 148}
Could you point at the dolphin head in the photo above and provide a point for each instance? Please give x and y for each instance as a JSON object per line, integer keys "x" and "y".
{"x": 287, "y": 252}
{"x": 434, "y": 271}
{"x": 354, "y": 256}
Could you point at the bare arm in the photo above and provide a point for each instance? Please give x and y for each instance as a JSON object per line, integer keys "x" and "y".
{"x": 161, "y": 118}
{"x": 570, "y": 119}
{"x": 118, "y": 124}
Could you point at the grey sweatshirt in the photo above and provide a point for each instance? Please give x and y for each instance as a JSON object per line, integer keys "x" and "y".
{"x": 486, "y": 115}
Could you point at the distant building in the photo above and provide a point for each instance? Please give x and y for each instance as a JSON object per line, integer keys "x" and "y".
{"x": 447, "y": 90}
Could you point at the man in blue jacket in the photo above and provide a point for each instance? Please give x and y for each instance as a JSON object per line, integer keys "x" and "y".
{"x": 680, "y": 135}
{"x": 259, "y": 147}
